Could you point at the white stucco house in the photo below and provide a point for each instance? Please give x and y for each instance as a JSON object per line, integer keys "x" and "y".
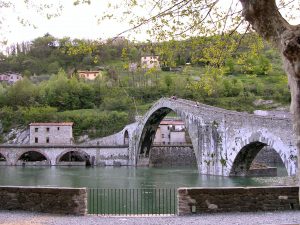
{"x": 10, "y": 77}
{"x": 150, "y": 61}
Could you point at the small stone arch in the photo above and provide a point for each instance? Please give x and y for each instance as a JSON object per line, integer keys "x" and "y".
{"x": 126, "y": 137}
{"x": 33, "y": 157}
{"x": 244, "y": 158}
{"x": 74, "y": 157}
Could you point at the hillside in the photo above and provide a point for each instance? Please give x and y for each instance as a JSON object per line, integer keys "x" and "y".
{"x": 52, "y": 91}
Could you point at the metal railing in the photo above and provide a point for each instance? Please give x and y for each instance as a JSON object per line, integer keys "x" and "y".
{"x": 148, "y": 201}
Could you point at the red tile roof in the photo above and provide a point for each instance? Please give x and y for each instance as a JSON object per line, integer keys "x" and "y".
{"x": 52, "y": 124}
{"x": 171, "y": 122}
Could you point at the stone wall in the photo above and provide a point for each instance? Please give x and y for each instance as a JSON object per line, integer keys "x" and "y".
{"x": 58, "y": 134}
{"x": 172, "y": 156}
{"x": 49, "y": 200}
{"x": 112, "y": 157}
{"x": 268, "y": 156}
{"x": 248, "y": 199}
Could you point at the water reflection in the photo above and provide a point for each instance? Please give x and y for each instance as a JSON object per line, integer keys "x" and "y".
{"x": 116, "y": 177}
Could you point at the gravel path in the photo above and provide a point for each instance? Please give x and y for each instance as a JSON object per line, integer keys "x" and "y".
{"x": 25, "y": 218}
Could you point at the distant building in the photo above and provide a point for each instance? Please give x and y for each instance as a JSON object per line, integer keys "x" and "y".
{"x": 89, "y": 75}
{"x": 13, "y": 78}
{"x": 10, "y": 77}
{"x": 50, "y": 133}
{"x": 4, "y": 77}
{"x": 150, "y": 61}
{"x": 170, "y": 131}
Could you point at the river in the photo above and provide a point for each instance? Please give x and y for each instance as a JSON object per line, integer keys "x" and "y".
{"x": 116, "y": 177}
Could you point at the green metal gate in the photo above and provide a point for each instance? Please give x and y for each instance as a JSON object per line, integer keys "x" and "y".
{"x": 132, "y": 201}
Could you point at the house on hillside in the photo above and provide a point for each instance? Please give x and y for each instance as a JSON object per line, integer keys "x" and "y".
{"x": 14, "y": 77}
{"x": 171, "y": 131}
{"x": 4, "y": 77}
{"x": 10, "y": 77}
{"x": 89, "y": 75}
{"x": 51, "y": 133}
{"x": 150, "y": 61}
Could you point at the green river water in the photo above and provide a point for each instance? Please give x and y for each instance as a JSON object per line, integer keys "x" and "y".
{"x": 116, "y": 177}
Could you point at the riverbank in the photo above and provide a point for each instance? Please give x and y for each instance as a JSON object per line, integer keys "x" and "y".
{"x": 26, "y": 218}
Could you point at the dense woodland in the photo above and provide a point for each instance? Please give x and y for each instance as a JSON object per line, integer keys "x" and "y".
{"x": 52, "y": 91}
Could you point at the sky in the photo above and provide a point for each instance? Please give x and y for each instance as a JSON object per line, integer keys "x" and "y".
{"x": 75, "y": 21}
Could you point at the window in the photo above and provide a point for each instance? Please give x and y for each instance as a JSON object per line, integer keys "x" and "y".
{"x": 57, "y": 128}
{"x": 47, "y": 129}
{"x": 162, "y": 135}
{"x": 36, "y": 140}
{"x": 47, "y": 139}
{"x": 36, "y": 129}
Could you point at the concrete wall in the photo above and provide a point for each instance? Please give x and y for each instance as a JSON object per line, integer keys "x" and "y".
{"x": 172, "y": 156}
{"x": 49, "y": 200}
{"x": 248, "y": 199}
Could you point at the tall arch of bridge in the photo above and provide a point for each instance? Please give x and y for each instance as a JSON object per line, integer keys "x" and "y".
{"x": 218, "y": 135}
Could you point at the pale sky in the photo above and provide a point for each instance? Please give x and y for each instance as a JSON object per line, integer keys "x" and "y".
{"x": 75, "y": 21}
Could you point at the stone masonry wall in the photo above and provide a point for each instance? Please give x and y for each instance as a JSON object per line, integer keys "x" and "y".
{"x": 49, "y": 200}
{"x": 248, "y": 199}
{"x": 172, "y": 156}
{"x": 268, "y": 156}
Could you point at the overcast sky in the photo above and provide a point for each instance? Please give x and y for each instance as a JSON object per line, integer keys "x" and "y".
{"x": 75, "y": 21}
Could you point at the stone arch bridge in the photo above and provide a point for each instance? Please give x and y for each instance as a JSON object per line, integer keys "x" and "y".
{"x": 225, "y": 142}
{"x": 52, "y": 155}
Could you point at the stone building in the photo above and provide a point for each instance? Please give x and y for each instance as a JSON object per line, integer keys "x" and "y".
{"x": 89, "y": 75}
{"x": 50, "y": 133}
{"x": 10, "y": 77}
{"x": 150, "y": 61}
{"x": 170, "y": 131}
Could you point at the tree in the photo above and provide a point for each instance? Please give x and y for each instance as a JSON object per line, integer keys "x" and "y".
{"x": 267, "y": 21}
